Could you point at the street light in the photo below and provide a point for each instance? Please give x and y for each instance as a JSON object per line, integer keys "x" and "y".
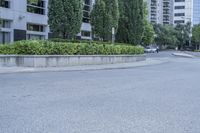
{"x": 182, "y": 33}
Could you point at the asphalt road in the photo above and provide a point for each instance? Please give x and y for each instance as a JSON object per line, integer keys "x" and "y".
{"x": 162, "y": 98}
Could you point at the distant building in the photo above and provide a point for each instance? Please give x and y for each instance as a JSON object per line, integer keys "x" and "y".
{"x": 160, "y": 11}
{"x": 21, "y": 20}
{"x": 183, "y": 11}
{"x": 86, "y": 30}
{"x": 174, "y": 11}
{"x": 196, "y": 12}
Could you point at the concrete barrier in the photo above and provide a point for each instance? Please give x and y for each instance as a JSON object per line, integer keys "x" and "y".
{"x": 65, "y": 60}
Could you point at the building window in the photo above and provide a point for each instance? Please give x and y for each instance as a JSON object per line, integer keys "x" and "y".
{"x": 5, "y": 3}
{"x": 86, "y": 33}
{"x": 5, "y": 37}
{"x": 35, "y": 27}
{"x": 179, "y": 21}
{"x": 35, "y": 37}
{"x": 179, "y": 14}
{"x": 179, "y": 0}
{"x": 179, "y": 7}
{"x": 37, "y": 7}
{"x": 5, "y": 24}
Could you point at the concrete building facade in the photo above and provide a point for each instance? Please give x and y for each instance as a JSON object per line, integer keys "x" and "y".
{"x": 86, "y": 29}
{"x": 174, "y": 11}
{"x": 160, "y": 11}
{"x": 183, "y": 11}
{"x": 21, "y": 19}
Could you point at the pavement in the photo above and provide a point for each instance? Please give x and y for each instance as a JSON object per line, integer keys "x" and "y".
{"x": 159, "y": 98}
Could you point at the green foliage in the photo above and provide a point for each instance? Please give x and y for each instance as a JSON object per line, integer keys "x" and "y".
{"x": 84, "y": 41}
{"x": 148, "y": 34}
{"x": 34, "y": 47}
{"x": 183, "y": 34}
{"x": 196, "y": 35}
{"x": 165, "y": 35}
{"x": 131, "y": 24}
{"x": 65, "y": 17}
{"x": 104, "y": 17}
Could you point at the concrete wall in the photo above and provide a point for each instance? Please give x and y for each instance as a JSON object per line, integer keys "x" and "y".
{"x": 19, "y": 17}
{"x": 64, "y": 61}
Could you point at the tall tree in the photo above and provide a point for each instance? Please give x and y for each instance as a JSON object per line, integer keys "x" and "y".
{"x": 183, "y": 34}
{"x": 148, "y": 34}
{"x": 65, "y": 17}
{"x": 98, "y": 19}
{"x": 165, "y": 36}
{"x": 196, "y": 36}
{"x": 104, "y": 17}
{"x": 132, "y": 19}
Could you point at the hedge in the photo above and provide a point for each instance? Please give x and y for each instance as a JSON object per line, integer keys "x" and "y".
{"x": 35, "y": 47}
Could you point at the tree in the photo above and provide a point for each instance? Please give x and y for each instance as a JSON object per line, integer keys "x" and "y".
{"x": 104, "y": 17}
{"x": 148, "y": 34}
{"x": 183, "y": 32}
{"x": 131, "y": 21}
{"x": 165, "y": 36}
{"x": 196, "y": 36}
{"x": 65, "y": 17}
{"x": 98, "y": 19}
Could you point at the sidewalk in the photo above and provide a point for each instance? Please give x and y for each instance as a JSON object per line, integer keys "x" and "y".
{"x": 4, "y": 70}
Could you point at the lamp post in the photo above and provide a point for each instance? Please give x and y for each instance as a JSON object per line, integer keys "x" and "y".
{"x": 182, "y": 33}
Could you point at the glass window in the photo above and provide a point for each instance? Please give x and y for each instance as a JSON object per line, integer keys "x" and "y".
{"x": 35, "y": 27}
{"x": 4, "y": 37}
{"x": 5, "y": 23}
{"x": 37, "y": 7}
{"x": 5, "y": 3}
{"x": 85, "y": 33}
{"x": 35, "y": 37}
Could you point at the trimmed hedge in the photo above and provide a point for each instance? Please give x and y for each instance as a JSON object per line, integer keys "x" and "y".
{"x": 35, "y": 47}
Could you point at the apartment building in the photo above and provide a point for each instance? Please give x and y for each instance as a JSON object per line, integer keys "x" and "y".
{"x": 21, "y": 19}
{"x": 183, "y": 11}
{"x": 160, "y": 11}
{"x": 86, "y": 29}
{"x": 174, "y": 11}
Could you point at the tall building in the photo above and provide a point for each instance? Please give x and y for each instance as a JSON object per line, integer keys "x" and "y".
{"x": 196, "y": 12}
{"x": 174, "y": 11}
{"x": 160, "y": 11}
{"x": 21, "y": 19}
{"x": 183, "y": 11}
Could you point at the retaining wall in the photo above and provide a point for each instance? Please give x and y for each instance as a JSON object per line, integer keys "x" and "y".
{"x": 65, "y": 60}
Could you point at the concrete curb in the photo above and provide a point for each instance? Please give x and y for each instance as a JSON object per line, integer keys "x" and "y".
{"x": 44, "y": 61}
{"x": 148, "y": 62}
{"x": 183, "y": 55}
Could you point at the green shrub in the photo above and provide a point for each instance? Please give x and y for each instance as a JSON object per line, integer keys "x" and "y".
{"x": 35, "y": 47}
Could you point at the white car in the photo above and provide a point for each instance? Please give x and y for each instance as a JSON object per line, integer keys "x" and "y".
{"x": 149, "y": 49}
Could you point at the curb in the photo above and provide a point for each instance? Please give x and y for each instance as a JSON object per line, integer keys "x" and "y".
{"x": 148, "y": 62}
{"x": 183, "y": 55}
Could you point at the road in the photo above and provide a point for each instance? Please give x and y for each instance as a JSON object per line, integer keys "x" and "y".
{"x": 162, "y": 98}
